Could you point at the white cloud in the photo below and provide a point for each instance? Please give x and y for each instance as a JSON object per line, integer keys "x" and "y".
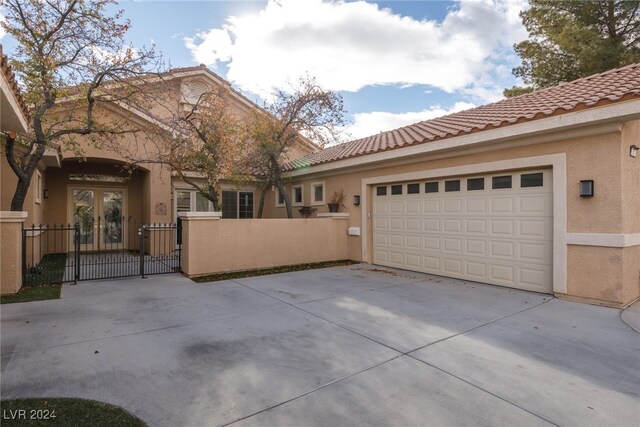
{"x": 350, "y": 45}
{"x": 2, "y": 31}
{"x": 366, "y": 124}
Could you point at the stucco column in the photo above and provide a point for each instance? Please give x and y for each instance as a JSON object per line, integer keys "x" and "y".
{"x": 189, "y": 249}
{"x": 11, "y": 251}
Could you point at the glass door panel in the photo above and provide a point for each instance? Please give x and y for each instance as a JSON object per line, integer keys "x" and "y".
{"x": 246, "y": 204}
{"x": 112, "y": 214}
{"x": 84, "y": 214}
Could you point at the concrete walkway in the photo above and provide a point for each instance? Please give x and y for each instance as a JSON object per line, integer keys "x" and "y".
{"x": 343, "y": 346}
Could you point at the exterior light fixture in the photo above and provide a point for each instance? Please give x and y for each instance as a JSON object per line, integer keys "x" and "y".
{"x": 356, "y": 200}
{"x": 633, "y": 150}
{"x": 45, "y": 194}
{"x": 586, "y": 188}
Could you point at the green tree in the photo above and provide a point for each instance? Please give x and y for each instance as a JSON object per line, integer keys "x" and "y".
{"x": 70, "y": 58}
{"x": 573, "y": 39}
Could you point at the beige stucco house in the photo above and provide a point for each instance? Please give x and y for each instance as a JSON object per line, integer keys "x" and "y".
{"x": 539, "y": 192}
{"x": 92, "y": 187}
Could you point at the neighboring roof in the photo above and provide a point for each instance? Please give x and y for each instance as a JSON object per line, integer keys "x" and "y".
{"x": 600, "y": 89}
{"x": 9, "y": 77}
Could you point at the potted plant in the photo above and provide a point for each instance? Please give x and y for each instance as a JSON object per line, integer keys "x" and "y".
{"x": 336, "y": 201}
{"x": 306, "y": 211}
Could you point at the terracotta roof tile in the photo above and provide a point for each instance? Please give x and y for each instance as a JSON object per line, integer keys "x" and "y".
{"x": 6, "y": 69}
{"x": 611, "y": 86}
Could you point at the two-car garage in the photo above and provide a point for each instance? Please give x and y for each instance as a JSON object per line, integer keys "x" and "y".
{"x": 493, "y": 228}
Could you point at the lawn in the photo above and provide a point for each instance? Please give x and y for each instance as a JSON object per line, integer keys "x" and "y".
{"x": 33, "y": 293}
{"x": 274, "y": 270}
{"x": 64, "y": 412}
{"x": 50, "y": 270}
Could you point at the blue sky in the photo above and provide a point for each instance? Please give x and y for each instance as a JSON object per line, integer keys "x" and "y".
{"x": 395, "y": 62}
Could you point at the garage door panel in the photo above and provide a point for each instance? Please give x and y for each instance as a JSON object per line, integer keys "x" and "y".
{"x": 396, "y": 240}
{"x": 452, "y": 245}
{"x": 501, "y": 227}
{"x": 502, "y": 205}
{"x": 414, "y": 261}
{"x": 431, "y": 225}
{"x": 478, "y": 270}
{"x": 381, "y": 207}
{"x": 498, "y": 236}
{"x": 382, "y": 239}
{"x": 431, "y": 242}
{"x": 413, "y": 225}
{"x": 476, "y": 247}
{"x": 452, "y": 225}
{"x": 502, "y": 249}
{"x": 453, "y": 206}
{"x": 432, "y": 206}
{"x": 476, "y": 206}
{"x": 452, "y": 266}
{"x": 476, "y": 226}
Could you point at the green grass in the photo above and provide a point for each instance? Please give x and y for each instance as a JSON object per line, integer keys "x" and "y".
{"x": 275, "y": 270}
{"x": 50, "y": 270}
{"x": 33, "y": 293}
{"x": 68, "y": 412}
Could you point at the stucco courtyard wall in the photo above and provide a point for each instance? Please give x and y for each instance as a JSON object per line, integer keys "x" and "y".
{"x": 11, "y": 251}
{"x": 211, "y": 245}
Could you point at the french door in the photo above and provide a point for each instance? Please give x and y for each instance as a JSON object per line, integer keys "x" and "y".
{"x": 100, "y": 212}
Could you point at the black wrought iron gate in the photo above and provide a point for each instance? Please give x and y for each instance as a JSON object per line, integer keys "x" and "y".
{"x": 70, "y": 253}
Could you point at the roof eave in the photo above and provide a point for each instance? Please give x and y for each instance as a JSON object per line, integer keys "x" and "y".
{"x": 615, "y": 112}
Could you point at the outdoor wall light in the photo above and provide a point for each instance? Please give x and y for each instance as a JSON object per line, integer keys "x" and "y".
{"x": 633, "y": 150}
{"x": 356, "y": 200}
{"x": 586, "y": 188}
{"x": 45, "y": 194}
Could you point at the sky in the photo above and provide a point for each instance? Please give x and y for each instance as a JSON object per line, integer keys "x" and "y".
{"x": 394, "y": 62}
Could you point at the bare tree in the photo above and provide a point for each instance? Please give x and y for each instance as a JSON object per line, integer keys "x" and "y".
{"x": 308, "y": 111}
{"x": 212, "y": 144}
{"x": 70, "y": 58}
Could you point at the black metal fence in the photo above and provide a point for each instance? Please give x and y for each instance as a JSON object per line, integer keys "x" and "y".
{"x": 99, "y": 250}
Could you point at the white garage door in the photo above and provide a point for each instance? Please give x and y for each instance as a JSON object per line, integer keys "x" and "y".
{"x": 495, "y": 228}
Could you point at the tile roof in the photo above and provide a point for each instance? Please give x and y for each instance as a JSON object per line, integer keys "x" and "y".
{"x": 611, "y": 86}
{"x": 6, "y": 69}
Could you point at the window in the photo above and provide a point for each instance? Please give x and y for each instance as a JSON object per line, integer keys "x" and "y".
{"x": 229, "y": 204}
{"x": 413, "y": 188}
{"x": 279, "y": 199}
{"x": 237, "y": 204}
{"x": 381, "y": 191}
{"x": 38, "y": 195}
{"x": 453, "y": 185}
{"x": 501, "y": 182}
{"x": 297, "y": 195}
{"x": 396, "y": 189}
{"x": 191, "y": 201}
{"x": 317, "y": 193}
{"x": 245, "y": 204}
{"x": 431, "y": 187}
{"x": 531, "y": 180}
{"x": 475, "y": 184}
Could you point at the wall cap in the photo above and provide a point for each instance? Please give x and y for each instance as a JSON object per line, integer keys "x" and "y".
{"x": 337, "y": 215}
{"x": 200, "y": 215}
{"x": 13, "y": 216}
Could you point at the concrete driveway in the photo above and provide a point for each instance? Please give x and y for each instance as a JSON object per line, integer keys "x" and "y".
{"x": 351, "y": 345}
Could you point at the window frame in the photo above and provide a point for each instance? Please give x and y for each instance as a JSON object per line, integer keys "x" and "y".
{"x": 38, "y": 192}
{"x": 293, "y": 195}
{"x": 313, "y": 186}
